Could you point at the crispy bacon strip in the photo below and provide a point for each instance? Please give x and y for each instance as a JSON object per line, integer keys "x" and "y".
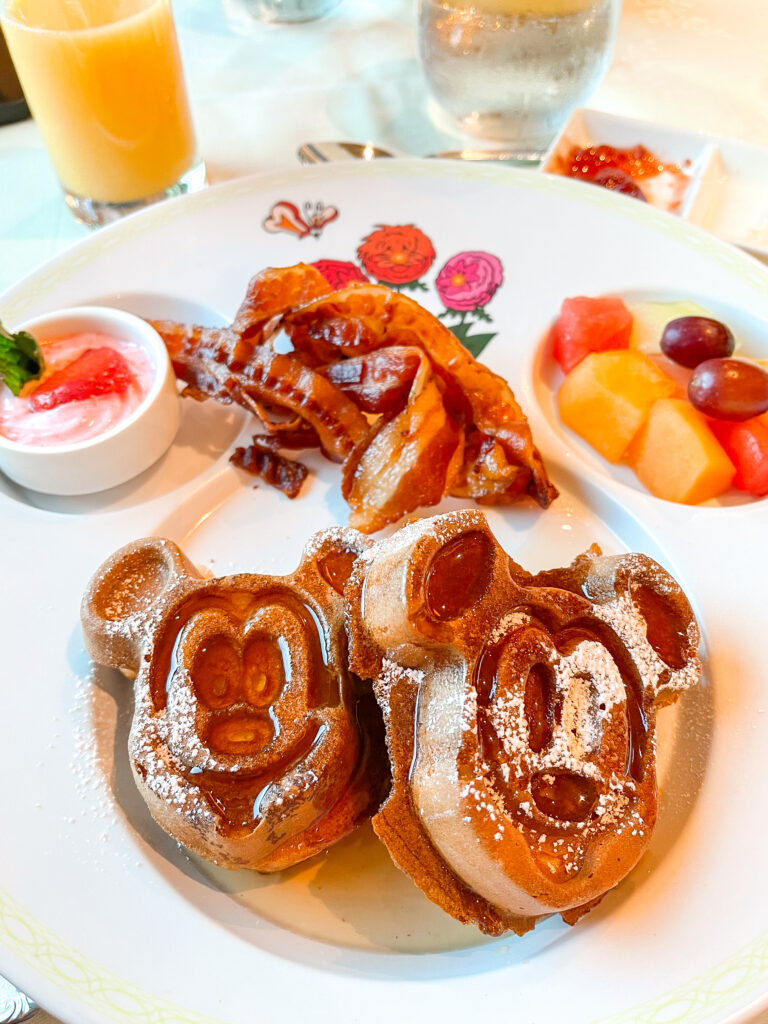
{"x": 281, "y": 380}
{"x": 277, "y": 471}
{"x": 272, "y": 293}
{"x": 486, "y": 474}
{"x": 203, "y": 358}
{"x": 362, "y": 318}
{"x": 378, "y": 382}
{"x": 196, "y": 356}
{"x": 408, "y": 460}
{"x": 446, "y": 424}
{"x": 294, "y": 433}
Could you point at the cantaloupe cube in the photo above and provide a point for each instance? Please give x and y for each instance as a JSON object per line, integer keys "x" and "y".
{"x": 681, "y": 375}
{"x": 606, "y": 398}
{"x": 677, "y": 457}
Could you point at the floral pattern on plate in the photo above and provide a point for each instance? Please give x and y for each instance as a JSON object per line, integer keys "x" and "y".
{"x": 400, "y": 256}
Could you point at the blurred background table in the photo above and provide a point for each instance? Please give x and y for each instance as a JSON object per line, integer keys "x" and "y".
{"x": 259, "y": 91}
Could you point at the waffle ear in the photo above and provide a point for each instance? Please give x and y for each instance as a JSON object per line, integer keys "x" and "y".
{"x": 331, "y": 554}
{"x": 636, "y": 586}
{"x": 123, "y": 597}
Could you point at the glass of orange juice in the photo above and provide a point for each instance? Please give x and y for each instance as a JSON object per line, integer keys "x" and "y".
{"x": 105, "y": 84}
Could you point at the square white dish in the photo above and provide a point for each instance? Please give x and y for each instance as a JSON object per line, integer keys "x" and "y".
{"x": 728, "y": 191}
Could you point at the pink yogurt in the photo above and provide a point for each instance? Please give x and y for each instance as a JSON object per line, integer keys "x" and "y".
{"x": 76, "y": 421}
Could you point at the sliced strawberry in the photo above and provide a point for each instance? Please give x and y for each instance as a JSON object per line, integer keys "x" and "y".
{"x": 746, "y": 443}
{"x": 589, "y": 325}
{"x": 97, "y": 371}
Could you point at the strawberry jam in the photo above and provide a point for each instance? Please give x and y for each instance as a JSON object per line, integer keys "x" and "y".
{"x": 635, "y": 171}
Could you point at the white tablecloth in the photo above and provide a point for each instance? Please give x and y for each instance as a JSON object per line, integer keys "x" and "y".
{"x": 259, "y": 91}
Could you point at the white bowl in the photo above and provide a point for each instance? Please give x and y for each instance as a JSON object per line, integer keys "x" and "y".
{"x": 123, "y": 451}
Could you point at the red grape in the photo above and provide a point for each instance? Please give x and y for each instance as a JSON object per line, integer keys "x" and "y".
{"x": 729, "y": 389}
{"x": 690, "y": 340}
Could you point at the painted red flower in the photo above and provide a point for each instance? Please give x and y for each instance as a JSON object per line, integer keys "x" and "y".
{"x": 396, "y": 254}
{"x": 339, "y": 273}
{"x": 469, "y": 280}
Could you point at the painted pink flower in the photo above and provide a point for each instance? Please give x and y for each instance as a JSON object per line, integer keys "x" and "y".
{"x": 469, "y": 280}
{"x": 339, "y": 273}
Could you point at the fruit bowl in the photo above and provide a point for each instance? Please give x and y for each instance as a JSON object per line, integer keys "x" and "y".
{"x": 662, "y": 394}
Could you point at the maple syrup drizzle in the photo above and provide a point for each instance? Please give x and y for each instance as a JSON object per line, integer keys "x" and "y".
{"x": 237, "y": 691}
{"x": 266, "y": 667}
{"x": 237, "y": 797}
{"x": 221, "y": 678}
{"x": 216, "y": 671}
{"x": 486, "y": 673}
{"x": 542, "y": 709}
{"x": 323, "y": 685}
{"x": 566, "y": 796}
{"x": 540, "y": 699}
{"x": 237, "y": 801}
{"x": 458, "y": 575}
{"x": 666, "y": 631}
{"x": 336, "y": 568}
{"x": 493, "y": 755}
{"x": 588, "y": 628}
{"x": 240, "y": 733}
{"x": 240, "y": 691}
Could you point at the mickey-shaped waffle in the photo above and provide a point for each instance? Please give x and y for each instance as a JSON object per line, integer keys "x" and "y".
{"x": 251, "y": 742}
{"x": 520, "y": 715}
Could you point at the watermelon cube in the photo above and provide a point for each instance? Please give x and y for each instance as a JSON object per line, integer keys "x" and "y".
{"x": 746, "y": 443}
{"x": 589, "y": 325}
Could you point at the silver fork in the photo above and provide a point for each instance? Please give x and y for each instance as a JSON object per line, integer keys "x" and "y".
{"x": 14, "y": 1005}
{"x": 328, "y": 152}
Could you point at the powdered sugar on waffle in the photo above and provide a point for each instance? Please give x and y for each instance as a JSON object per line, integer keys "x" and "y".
{"x": 628, "y": 623}
{"x": 344, "y": 537}
{"x": 183, "y": 739}
{"x": 510, "y": 621}
{"x": 405, "y": 537}
{"x": 149, "y": 748}
{"x": 591, "y": 688}
{"x": 419, "y": 529}
{"x": 392, "y": 673}
{"x": 141, "y": 622}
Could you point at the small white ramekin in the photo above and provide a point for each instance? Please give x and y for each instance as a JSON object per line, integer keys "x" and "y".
{"x": 118, "y": 454}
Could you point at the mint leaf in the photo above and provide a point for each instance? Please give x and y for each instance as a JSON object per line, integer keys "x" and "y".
{"x": 20, "y": 359}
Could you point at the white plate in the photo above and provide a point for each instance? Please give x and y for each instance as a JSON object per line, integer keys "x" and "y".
{"x": 103, "y": 918}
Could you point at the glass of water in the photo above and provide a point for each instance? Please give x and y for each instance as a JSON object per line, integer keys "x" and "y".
{"x": 292, "y": 10}
{"x": 512, "y": 70}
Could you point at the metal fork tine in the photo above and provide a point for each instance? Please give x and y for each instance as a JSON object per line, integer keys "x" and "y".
{"x": 14, "y": 1005}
